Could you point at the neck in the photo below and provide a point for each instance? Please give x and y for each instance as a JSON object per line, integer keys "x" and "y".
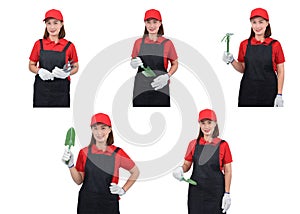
{"x": 153, "y": 37}
{"x": 260, "y": 38}
{"x": 101, "y": 145}
{"x": 208, "y": 138}
{"x": 54, "y": 38}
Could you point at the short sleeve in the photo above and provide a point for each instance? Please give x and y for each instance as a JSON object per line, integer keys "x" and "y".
{"x": 81, "y": 160}
{"x": 125, "y": 161}
{"x": 190, "y": 151}
{"x": 35, "y": 52}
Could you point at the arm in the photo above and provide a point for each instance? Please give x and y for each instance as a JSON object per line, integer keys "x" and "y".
{"x": 227, "y": 176}
{"x": 186, "y": 166}
{"x": 75, "y": 69}
{"x": 33, "y": 67}
{"x": 280, "y": 76}
{"x": 173, "y": 68}
{"x": 76, "y": 175}
{"x": 135, "y": 172}
{"x": 238, "y": 66}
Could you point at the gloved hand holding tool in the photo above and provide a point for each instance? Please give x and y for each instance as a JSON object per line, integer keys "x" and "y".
{"x": 160, "y": 81}
{"x": 226, "y": 202}
{"x": 178, "y": 174}
{"x": 227, "y": 56}
{"x": 68, "y": 157}
{"x": 45, "y": 74}
{"x": 115, "y": 189}
{"x": 278, "y": 102}
{"x": 64, "y": 72}
{"x": 137, "y": 62}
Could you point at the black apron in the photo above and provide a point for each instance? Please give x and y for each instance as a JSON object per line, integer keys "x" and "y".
{"x": 144, "y": 95}
{"x": 206, "y": 196}
{"x": 51, "y": 93}
{"x": 94, "y": 195}
{"x": 258, "y": 86}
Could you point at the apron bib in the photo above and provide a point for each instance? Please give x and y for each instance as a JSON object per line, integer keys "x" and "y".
{"x": 206, "y": 196}
{"x": 51, "y": 93}
{"x": 258, "y": 86}
{"x": 94, "y": 195}
{"x": 144, "y": 95}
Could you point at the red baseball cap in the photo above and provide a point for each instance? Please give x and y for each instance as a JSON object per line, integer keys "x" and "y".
{"x": 152, "y": 13}
{"x": 259, "y": 12}
{"x": 56, "y": 14}
{"x": 207, "y": 114}
{"x": 100, "y": 118}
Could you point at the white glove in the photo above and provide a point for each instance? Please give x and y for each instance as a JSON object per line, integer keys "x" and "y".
{"x": 115, "y": 189}
{"x": 59, "y": 73}
{"x": 45, "y": 74}
{"x": 228, "y": 57}
{"x": 278, "y": 102}
{"x": 226, "y": 202}
{"x": 178, "y": 173}
{"x": 68, "y": 158}
{"x": 160, "y": 81}
{"x": 136, "y": 62}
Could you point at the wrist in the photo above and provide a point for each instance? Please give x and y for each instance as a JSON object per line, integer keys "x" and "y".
{"x": 226, "y": 192}
{"x": 71, "y": 166}
{"x": 280, "y": 94}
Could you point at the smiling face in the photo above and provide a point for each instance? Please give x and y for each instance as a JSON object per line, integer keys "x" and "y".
{"x": 207, "y": 127}
{"x": 152, "y": 25}
{"x": 53, "y": 27}
{"x": 259, "y": 25}
{"x": 100, "y": 132}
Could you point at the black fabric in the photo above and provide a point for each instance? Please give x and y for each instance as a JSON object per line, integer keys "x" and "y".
{"x": 51, "y": 93}
{"x": 94, "y": 195}
{"x": 206, "y": 196}
{"x": 258, "y": 86}
{"x": 144, "y": 95}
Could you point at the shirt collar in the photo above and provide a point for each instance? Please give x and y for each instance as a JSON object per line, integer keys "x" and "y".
{"x": 214, "y": 141}
{"x": 265, "y": 42}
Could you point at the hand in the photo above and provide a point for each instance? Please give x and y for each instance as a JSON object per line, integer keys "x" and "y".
{"x": 160, "y": 81}
{"x": 68, "y": 158}
{"x": 115, "y": 189}
{"x": 45, "y": 74}
{"x": 228, "y": 57}
{"x": 136, "y": 62}
{"x": 278, "y": 102}
{"x": 226, "y": 202}
{"x": 60, "y": 73}
{"x": 178, "y": 173}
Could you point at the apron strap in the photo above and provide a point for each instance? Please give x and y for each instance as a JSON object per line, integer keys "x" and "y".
{"x": 41, "y": 44}
{"x": 271, "y": 43}
{"x": 67, "y": 46}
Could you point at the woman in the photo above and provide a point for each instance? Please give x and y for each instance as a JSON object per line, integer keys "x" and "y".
{"x": 153, "y": 51}
{"x": 97, "y": 169}
{"x": 47, "y": 60}
{"x": 211, "y": 160}
{"x": 261, "y": 60}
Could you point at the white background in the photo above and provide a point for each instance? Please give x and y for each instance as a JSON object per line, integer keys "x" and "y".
{"x": 263, "y": 141}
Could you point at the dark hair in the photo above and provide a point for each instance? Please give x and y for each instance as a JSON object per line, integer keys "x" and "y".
{"x": 110, "y": 139}
{"x": 268, "y": 32}
{"x": 61, "y": 34}
{"x": 214, "y": 135}
{"x": 159, "y": 33}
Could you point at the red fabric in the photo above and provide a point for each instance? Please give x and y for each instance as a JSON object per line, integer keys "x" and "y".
{"x": 122, "y": 160}
{"x": 100, "y": 118}
{"x": 277, "y": 52}
{"x": 224, "y": 155}
{"x": 71, "y": 53}
{"x": 170, "y": 53}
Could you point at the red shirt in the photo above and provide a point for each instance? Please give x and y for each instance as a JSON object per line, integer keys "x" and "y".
{"x": 50, "y": 45}
{"x": 121, "y": 160}
{"x": 169, "y": 49}
{"x": 277, "y": 52}
{"x": 224, "y": 155}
